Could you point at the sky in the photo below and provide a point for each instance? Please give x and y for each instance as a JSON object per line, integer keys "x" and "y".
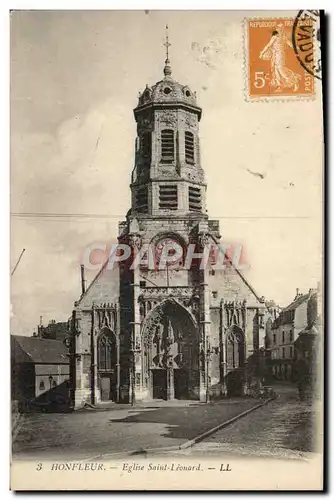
{"x": 75, "y": 78}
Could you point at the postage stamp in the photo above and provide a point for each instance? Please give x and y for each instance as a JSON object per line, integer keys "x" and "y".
{"x": 273, "y": 69}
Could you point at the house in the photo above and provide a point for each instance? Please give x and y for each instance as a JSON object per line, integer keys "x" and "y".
{"x": 308, "y": 356}
{"x": 284, "y": 331}
{"x": 39, "y": 372}
{"x": 54, "y": 330}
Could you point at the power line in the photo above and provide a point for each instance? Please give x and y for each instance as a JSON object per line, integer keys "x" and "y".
{"x": 49, "y": 215}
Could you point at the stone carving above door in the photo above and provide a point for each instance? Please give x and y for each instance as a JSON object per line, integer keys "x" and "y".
{"x": 235, "y": 313}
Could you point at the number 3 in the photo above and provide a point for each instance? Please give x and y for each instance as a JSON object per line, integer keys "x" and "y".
{"x": 259, "y": 80}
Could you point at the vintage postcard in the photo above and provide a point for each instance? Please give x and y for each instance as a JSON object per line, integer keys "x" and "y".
{"x": 166, "y": 244}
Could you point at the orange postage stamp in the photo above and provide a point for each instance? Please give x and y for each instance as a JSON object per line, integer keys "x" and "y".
{"x": 273, "y": 70}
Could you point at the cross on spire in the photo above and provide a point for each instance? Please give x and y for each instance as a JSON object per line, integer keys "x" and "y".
{"x": 167, "y": 68}
{"x": 167, "y": 44}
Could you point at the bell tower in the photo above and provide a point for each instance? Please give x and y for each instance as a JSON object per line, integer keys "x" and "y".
{"x": 168, "y": 209}
{"x": 167, "y": 178}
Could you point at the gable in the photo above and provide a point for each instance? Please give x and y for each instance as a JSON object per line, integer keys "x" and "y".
{"x": 103, "y": 288}
{"x": 232, "y": 285}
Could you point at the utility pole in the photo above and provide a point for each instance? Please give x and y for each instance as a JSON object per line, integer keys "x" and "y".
{"x": 18, "y": 261}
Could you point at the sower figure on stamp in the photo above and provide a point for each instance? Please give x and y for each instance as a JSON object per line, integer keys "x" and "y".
{"x": 281, "y": 75}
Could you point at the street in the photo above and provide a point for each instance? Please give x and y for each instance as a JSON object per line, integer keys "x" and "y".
{"x": 283, "y": 427}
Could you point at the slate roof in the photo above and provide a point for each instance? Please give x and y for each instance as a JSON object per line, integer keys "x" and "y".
{"x": 297, "y": 302}
{"x": 43, "y": 351}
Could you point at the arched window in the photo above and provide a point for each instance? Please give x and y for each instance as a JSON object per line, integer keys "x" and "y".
{"x": 42, "y": 386}
{"x": 106, "y": 351}
{"x": 167, "y": 146}
{"x": 235, "y": 352}
{"x": 189, "y": 147}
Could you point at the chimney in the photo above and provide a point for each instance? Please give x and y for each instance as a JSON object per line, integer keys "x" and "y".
{"x": 83, "y": 282}
{"x": 297, "y": 292}
{"x": 41, "y": 321}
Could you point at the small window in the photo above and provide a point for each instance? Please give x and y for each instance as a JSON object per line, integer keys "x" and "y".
{"x": 212, "y": 272}
{"x": 142, "y": 200}
{"x": 189, "y": 147}
{"x": 274, "y": 338}
{"x": 283, "y": 337}
{"x": 168, "y": 197}
{"x": 42, "y": 386}
{"x": 214, "y": 294}
{"x": 142, "y": 284}
{"x": 167, "y": 90}
{"x": 195, "y": 203}
{"x": 167, "y": 146}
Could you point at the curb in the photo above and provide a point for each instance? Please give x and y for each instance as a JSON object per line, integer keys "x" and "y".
{"x": 197, "y": 439}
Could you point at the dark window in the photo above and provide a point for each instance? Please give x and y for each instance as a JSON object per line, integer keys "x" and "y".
{"x": 168, "y": 197}
{"x": 106, "y": 352}
{"x": 146, "y": 146}
{"x": 283, "y": 337}
{"x": 41, "y": 386}
{"x": 189, "y": 147}
{"x": 212, "y": 272}
{"x": 274, "y": 338}
{"x": 142, "y": 200}
{"x": 214, "y": 295}
{"x": 167, "y": 146}
{"x": 142, "y": 284}
{"x": 195, "y": 203}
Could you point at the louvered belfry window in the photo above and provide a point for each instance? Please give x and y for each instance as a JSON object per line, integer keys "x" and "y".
{"x": 167, "y": 146}
{"x": 168, "y": 197}
{"x": 189, "y": 147}
{"x": 195, "y": 202}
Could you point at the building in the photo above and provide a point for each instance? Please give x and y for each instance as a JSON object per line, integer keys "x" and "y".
{"x": 55, "y": 330}
{"x": 284, "y": 331}
{"x": 149, "y": 332}
{"x": 40, "y": 372}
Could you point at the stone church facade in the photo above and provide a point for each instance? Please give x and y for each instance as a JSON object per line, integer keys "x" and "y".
{"x": 145, "y": 332}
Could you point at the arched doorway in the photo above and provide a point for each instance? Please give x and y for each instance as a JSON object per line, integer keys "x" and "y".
{"x": 106, "y": 364}
{"x": 171, "y": 344}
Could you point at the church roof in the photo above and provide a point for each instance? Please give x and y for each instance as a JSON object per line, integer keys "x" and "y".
{"x": 166, "y": 91}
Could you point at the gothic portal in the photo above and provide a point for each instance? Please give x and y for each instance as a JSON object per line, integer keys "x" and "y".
{"x": 152, "y": 332}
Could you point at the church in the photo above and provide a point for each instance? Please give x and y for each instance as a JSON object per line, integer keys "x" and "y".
{"x": 179, "y": 331}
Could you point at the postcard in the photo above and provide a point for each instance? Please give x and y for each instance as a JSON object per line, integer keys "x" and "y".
{"x": 167, "y": 250}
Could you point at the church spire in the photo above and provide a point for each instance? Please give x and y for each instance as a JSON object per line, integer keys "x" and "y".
{"x": 167, "y": 68}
